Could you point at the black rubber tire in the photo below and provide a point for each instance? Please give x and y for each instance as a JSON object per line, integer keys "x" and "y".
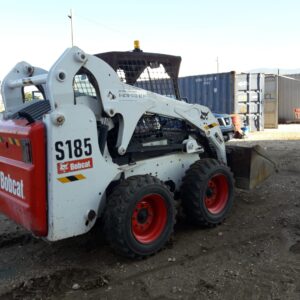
{"x": 194, "y": 189}
{"x": 120, "y": 209}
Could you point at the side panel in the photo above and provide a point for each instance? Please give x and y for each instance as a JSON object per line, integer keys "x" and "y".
{"x": 22, "y": 174}
{"x": 168, "y": 167}
{"x": 78, "y": 174}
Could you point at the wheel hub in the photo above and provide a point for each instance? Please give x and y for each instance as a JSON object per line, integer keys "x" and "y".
{"x": 209, "y": 192}
{"x": 149, "y": 218}
{"x": 142, "y": 216}
{"x": 216, "y": 195}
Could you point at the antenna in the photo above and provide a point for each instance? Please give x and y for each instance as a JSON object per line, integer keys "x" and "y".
{"x": 70, "y": 16}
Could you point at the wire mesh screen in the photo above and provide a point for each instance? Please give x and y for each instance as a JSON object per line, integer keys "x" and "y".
{"x": 154, "y": 127}
{"x": 153, "y": 78}
{"x": 83, "y": 87}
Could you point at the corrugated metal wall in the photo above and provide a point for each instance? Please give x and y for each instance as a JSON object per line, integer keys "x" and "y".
{"x": 288, "y": 98}
{"x": 214, "y": 90}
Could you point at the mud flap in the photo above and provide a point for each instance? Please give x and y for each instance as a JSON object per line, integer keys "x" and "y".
{"x": 250, "y": 165}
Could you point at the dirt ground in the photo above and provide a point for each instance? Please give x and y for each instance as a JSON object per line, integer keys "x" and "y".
{"x": 254, "y": 254}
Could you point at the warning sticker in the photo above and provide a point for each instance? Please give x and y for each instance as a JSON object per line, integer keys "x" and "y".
{"x": 72, "y": 178}
{"x": 74, "y": 165}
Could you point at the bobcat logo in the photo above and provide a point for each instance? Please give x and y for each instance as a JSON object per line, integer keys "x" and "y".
{"x": 204, "y": 115}
{"x": 63, "y": 167}
{"x": 111, "y": 96}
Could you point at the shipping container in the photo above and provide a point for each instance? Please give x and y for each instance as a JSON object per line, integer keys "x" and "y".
{"x": 214, "y": 90}
{"x": 249, "y": 99}
{"x": 228, "y": 93}
{"x": 288, "y": 98}
{"x": 282, "y": 99}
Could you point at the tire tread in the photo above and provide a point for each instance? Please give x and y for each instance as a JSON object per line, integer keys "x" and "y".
{"x": 192, "y": 185}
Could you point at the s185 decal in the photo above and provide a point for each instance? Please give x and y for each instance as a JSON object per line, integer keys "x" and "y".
{"x": 73, "y": 148}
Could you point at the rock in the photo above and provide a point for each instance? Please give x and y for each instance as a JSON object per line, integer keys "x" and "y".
{"x": 176, "y": 289}
{"x": 28, "y": 284}
{"x": 220, "y": 233}
{"x": 171, "y": 259}
{"x": 105, "y": 281}
{"x": 75, "y": 286}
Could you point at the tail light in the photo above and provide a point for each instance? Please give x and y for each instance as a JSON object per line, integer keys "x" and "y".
{"x": 26, "y": 151}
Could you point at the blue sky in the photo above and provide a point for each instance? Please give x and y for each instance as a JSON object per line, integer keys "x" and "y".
{"x": 243, "y": 34}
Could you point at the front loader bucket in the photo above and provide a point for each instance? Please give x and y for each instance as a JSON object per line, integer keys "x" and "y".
{"x": 250, "y": 165}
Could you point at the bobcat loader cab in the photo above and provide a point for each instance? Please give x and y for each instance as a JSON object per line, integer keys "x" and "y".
{"x": 99, "y": 146}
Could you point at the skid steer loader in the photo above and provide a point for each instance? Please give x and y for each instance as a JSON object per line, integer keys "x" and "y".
{"x": 107, "y": 140}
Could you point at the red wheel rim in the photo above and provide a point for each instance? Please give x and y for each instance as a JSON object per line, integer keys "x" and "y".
{"x": 149, "y": 218}
{"x": 217, "y": 192}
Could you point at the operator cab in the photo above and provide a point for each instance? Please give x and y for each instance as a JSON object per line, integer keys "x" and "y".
{"x": 155, "y": 134}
